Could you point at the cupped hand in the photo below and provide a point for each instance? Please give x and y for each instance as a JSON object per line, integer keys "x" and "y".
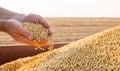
{"x": 37, "y": 19}
{"x": 19, "y": 33}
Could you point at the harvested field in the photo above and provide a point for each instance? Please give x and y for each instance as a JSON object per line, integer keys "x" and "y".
{"x": 71, "y": 29}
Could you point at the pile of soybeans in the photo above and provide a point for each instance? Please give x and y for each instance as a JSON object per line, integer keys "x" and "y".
{"x": 39, "y": 32}
{"x": 99, "y": 52}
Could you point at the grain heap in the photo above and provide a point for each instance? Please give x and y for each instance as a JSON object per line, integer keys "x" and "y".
{"x": 99, "y": 52}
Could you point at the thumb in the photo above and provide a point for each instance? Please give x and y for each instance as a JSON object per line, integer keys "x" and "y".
{"x": 26, "y": 33}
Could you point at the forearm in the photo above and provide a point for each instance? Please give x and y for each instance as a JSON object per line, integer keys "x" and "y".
{"x": 6, "y": 14}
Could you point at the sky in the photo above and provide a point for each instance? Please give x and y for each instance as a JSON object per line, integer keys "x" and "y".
{"x": 65, "y": 8}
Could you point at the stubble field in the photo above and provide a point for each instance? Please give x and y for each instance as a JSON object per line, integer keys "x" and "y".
{"x": 70, "y": 29}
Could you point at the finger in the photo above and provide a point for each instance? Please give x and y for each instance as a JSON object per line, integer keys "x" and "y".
{"x": 26, "y": 33}
{"x": 31, "y": 18}
{"x": 44, "y": 22}
{"x": 50, "y": 32}
{"x": 36, "y": 19}
{"x": 22, "y": 39}
{"x": 30, "y": 42}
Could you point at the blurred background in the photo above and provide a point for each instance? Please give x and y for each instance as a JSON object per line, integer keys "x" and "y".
{"x": 71, "y": 20}
{"x": 65, "y": 8}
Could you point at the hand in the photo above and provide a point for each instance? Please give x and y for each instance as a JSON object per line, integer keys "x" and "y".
{"x": 37, "y": 19}
{"x": 19, "y": 33}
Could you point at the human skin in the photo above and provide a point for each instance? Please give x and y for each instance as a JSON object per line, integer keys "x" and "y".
{"x": 11, "y": 23}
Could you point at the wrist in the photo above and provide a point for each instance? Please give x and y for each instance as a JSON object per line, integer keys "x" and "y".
{"x": 19, "y": 17}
